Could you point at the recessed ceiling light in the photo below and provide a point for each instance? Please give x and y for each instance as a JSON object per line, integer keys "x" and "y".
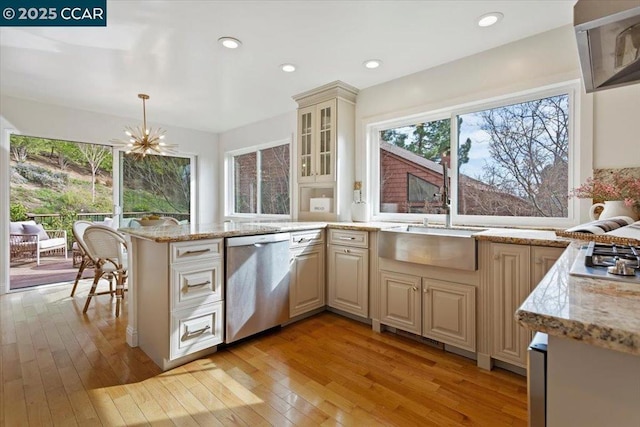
{"x": 372, "y": 63}
{"x": 288, "y": 68}
{"x": 230, "y": 42}
{"x": 489, "y": 19}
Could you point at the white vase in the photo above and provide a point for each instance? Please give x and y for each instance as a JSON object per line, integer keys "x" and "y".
{"x": 611, "y": 208}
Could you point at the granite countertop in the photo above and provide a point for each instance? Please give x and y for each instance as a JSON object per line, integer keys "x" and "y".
{"x": 230, "y": 229}
{"x": 522, "y": 237}
{"x": 600, "y": 312}
{"x": 187, "y": 232}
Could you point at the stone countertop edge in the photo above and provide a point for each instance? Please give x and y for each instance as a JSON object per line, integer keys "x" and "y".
{"x": 164, "y": 234}
{"x": 167, "y": 234}
{"x": 600, "y": 312}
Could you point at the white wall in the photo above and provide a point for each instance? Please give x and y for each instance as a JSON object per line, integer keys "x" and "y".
{"x": 616, "y": 127}
{"x": 277, "y": 128}
{"x": 57, "y": 122}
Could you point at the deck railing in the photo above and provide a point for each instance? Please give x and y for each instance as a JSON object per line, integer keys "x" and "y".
{"x": 100, "y": 216}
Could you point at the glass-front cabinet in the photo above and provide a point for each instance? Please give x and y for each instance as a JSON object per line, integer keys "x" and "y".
{"x": 325, "y": 152}
{"x": 317, "y": 142}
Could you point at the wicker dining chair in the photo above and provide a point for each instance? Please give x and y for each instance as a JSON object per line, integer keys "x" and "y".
{"x": 80, "y": 249}
{"x": 169, "y": 220}
{"x": 107, "y": 248}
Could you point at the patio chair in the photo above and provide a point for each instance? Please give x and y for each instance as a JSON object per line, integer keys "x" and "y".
{"x": 107, "y": 248}
{"x": 80, "y": 252}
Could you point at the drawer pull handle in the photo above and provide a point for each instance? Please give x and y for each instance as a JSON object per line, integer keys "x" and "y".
{"x": 346, "y": 251}
{"x": 195, "y": 285}
{"x": 191, "y": 334}
{"x": 301, "y": 240}
{"x": 346, "y": 238}
{"x": 199, "y": 251}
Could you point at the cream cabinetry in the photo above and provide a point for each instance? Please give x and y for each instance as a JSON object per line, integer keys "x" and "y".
{"x": 317, "y": 142}
{"x": 436, "y": 309}
{"x": 307, "y": 284}
{"x": 514, "y": 270}
{"x": 179, "y": 299}
{"x": 348, "y": 271}
{"x": 449, "y": 313}
{"x": 400, "y": 302}
{"x": 325, "y": 152}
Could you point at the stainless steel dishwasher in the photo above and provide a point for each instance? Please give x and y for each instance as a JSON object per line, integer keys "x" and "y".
{"x": 257, "y": 284}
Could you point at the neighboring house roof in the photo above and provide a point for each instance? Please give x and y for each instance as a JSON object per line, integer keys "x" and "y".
{"x": 464, "y": 181}
{"x": 411, "y": 157}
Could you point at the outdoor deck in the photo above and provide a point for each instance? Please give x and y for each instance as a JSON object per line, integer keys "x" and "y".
{"x": 54, "y": 269}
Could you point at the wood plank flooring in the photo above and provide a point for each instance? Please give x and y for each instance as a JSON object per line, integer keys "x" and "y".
{"x": 60, "y": 367}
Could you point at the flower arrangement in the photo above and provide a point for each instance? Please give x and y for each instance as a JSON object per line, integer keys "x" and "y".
{"x": 616, "y": 187}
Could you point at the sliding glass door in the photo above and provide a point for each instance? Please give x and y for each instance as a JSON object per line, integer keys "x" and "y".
{"x": 53, "y": 183}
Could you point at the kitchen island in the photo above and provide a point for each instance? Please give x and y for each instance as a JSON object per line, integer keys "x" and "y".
{"x": 593, "y": 356}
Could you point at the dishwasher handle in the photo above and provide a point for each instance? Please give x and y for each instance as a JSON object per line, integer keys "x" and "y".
{"x": 257, "y": 240}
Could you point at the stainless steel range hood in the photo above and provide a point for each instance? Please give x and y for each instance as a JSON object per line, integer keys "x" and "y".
{"x": 608, "y": 35}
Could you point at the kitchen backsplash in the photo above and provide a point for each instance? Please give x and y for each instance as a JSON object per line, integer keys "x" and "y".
{"x": 604, "y": 175}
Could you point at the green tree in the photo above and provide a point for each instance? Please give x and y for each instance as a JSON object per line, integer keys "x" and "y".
{"x": 429, "y": 140}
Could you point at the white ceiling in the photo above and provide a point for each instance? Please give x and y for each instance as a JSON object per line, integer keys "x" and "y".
{"x": 169, "y": 50}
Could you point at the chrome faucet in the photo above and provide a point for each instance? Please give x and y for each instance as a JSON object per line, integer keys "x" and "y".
{"x": 445, "y": 199}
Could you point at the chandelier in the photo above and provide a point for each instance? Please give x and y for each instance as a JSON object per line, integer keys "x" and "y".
{"x": 142, "y": 140}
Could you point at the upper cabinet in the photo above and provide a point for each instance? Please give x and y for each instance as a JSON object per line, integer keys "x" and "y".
{"x": 325, "y": 152}
{"x": 317, "y": 142}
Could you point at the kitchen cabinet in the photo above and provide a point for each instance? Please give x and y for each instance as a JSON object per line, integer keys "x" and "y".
{"x": 348, "y": 271}
{"x": 317, "y": 142}
{"x": 436, "y": 309}
{"x": 307, "y": 284}
{"x": 514, "y": 271}
{"x": 324, "y": 152}
{"x": 449, "y": 313}
{"x": 180, "y": 299}
{"x": 400, "y": 304}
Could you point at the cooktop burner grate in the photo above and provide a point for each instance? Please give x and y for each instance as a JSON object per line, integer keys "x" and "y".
{"x": 605, "y": 255}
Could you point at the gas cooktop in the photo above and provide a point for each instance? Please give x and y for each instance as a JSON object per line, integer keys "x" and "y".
{"x": 598, "y": 259}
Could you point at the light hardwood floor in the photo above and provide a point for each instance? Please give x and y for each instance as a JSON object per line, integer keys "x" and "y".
{"x": 60, "y": 367}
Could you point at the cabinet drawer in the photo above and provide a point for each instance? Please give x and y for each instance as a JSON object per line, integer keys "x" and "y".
{"x": 306, "y": 238}
{"x": 349, "y": 238}
{"x": 195, "y": 283}
{"x": 195, "y": 329}
{"x": 195, "y": 250}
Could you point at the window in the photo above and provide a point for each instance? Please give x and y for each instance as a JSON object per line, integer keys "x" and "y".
{"x": 515, "y": 160}
{"x": 259, "y": 181}
{"x": 504, "y": 160}
{"x": 159, "y": 185}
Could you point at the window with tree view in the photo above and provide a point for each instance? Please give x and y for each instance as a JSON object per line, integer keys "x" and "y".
{"x": 261, "y": 181}
{"x": 159, "y": 185}
{"x": 512, "y": 161}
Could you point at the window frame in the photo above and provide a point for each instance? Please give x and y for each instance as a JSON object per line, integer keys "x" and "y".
{"x": 373, "y": 129}
{"x": 229, "y": 182}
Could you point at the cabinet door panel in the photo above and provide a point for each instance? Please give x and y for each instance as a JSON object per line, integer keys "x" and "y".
{"x": 542, "y": 259}
{"x": 325, "y": 143}
{"x": 348, "y": 279}
{"x": 511, "y": 283}
{"x": 400, "y": 301}
{"x": 307, "y": 281}
{"x": 449, "y": 313}
{"x": 306, "y": 152}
